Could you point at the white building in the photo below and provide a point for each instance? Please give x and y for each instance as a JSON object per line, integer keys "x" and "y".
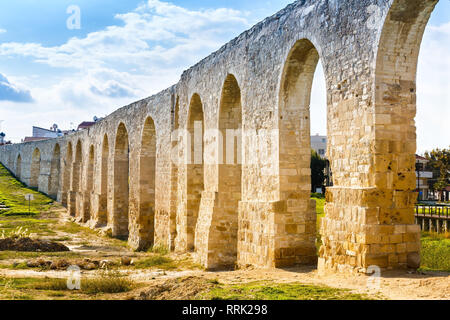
{"x": 319, "y": 144}
{"x": 422, "y": 178}
{"x": 44, "y": 134}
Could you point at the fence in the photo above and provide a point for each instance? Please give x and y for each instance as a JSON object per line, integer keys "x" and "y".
{"x": 433, "y": 218}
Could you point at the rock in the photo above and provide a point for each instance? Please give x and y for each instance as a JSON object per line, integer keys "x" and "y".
{"x": 89, "y": 266}
{"x": 105, "y": 263}
{"x": 59, "y": 264}
{"x": 33, "y": 264}
{"x": 413, "y": 260}
{"x": 126, "y": 261}
{"x": 43, "y": 263}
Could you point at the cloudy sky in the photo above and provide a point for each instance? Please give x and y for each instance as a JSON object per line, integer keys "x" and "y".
{"x": 128, "y": 50}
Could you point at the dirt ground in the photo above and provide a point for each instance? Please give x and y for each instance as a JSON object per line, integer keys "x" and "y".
{"x": 393, "y": 285}
{"x": 160, "y": 282}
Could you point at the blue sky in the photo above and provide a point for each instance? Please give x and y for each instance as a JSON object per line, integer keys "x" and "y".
{"x": 127, "y": 50}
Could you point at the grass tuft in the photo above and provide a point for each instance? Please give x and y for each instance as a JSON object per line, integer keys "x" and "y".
{"x": 107, "y": 282}
{"x": 156, "y": 261}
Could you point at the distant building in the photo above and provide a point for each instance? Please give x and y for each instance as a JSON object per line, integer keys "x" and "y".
{"x": 44, "y": 134}
{"x": 85, "y": 125}
{"x": 423, "y": 176}
{"x": 319, "y": 144}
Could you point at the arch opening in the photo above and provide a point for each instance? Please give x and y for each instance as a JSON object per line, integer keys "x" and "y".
{"x": 147, "y": 181}
{"x": 76, "y": 168}
{"x": 195, "y": 167}
{"x": 35, "y": 168}
{"x": 75, "y": 204}
{"x": 121, "y": 183}
{"x": 55, "y": 170}
{"x": 174, "y": 174}
{"x": 433, "y": 98}
{"x": 103, "y": 202}
{"x": 66, "y": 187}
{"x": 295, "y": 154}
{"x": 230, "y": 171}
{"x": 89, "y": 185}
{"x": 19, "y": 167}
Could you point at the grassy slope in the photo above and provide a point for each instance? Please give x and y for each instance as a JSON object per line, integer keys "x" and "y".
{"x": 12, "y": 194}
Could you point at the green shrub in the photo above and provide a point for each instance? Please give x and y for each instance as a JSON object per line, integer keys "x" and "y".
{"x": 435, "y": 252}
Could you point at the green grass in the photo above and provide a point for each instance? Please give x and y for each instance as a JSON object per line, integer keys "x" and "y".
{"x": 29, "y": 288}
{"x": 74, "y": 228}
{"x": 162, "y": 250}
{"x": 272, "y": 291}
{"x": 320, "y": 203}
{"x": 108, "y": 282}
{"x": 435, "y": 252}
{"x": 156, "y": 261}
{"x": 320, "y": 210}
{"x": 12, "y": 195}
{"x": 41, "y": 227}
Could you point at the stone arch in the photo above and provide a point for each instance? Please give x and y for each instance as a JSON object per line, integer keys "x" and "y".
{"x": 195, "y": 166}
{"x": 121, "y": 183}
{"x": 174, "y": 173}
{"x": 35, "y": 168}
{"x": 395, "y": 97}
{"x": 103, "y": 206}
{"x": 225, "y": 242}
{"x": 19, "y": 167}
{"x": 147, "y": 181}
{"x": 89, "y": 184}
{"x": 55, "y": 170}
{"x": 295, "y": 154}
{"x": 66, "y": 187}
{"x": 394, "y": 145}
{"x": 74, "y": 207}
{"x": 76, "y": 167}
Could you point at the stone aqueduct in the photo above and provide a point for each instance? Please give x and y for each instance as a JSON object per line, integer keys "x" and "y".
{"x": 119, "y": 173}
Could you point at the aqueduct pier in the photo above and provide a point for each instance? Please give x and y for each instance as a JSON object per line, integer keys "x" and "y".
{"x": 120, "y": 173}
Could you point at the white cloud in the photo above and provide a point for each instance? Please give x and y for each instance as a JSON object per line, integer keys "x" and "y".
{"x": 156, "y": 34}
{"x": 12, "y": 92}
{"x": 119, "y": 64}
{"x": 2, "y": 31}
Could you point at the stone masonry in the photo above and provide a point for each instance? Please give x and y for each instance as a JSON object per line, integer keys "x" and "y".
{"x": 137, "y": 174}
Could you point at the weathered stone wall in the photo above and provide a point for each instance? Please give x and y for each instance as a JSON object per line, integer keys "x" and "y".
{"x": 369, "y": 53}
